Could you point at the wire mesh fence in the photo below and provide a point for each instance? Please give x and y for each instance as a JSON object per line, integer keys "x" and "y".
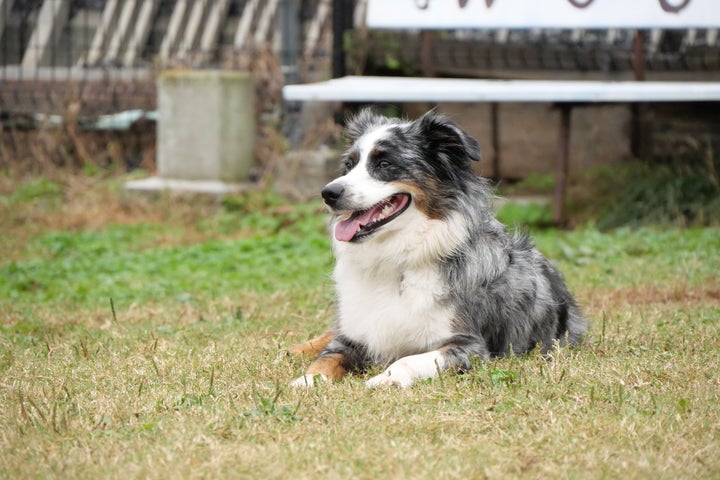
{"x": 77, "y": 77}
{"x": 101, "y": 56}
{"x": 104, "y": 54}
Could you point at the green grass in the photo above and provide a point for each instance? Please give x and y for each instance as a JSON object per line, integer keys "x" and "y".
{"x": 87, "y": 268}
{"x": 184, "y": 375}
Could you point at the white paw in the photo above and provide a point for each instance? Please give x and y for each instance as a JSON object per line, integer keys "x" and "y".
{"x": 308, "y": 380}
{"x": 407, "y": 370}
{"x": 394, "y": 375}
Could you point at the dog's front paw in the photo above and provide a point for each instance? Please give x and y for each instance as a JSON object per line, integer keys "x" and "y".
{"x": 407, "y": 370}
{"x": 308, "y": 380}
{"x": 393, "y": 375}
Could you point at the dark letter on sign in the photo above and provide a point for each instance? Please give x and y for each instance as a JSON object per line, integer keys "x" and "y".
{"x": 581, "y": 3}
{"x": 666, "y": 6}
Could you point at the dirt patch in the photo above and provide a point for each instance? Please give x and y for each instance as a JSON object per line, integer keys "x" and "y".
{"x": 676, "y": 294}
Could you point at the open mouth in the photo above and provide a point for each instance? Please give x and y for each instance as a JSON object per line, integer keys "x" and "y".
{"x": 362, "y": 223}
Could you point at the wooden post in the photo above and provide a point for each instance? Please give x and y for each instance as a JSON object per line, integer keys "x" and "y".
{"x": 563, "y": 165}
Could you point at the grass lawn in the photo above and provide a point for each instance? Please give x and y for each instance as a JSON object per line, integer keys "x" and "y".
{"x": 144, "y": 338}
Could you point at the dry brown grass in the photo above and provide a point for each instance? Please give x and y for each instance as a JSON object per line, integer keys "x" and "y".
{"x": 160, "y": 394}
{"x": 197, "y": 387}
{"x": 93, "y": 203}
{"x": 677, "y": 295}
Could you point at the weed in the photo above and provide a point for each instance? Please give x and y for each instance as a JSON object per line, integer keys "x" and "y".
{"x": 680, "y": 193}
{"x": 268, "y": 406}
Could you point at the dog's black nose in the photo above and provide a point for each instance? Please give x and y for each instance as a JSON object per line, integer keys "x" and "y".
{"x": 332, "y": 193}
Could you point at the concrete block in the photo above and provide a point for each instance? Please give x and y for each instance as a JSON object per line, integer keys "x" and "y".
{"x": 305, "y": 172}
{"x": 205, "y": 187}
{"x": 206, "y": 125}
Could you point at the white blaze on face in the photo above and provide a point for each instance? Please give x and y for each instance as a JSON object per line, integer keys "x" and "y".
{"x": 366, "y": 200}
{"x": 362, "y": 190}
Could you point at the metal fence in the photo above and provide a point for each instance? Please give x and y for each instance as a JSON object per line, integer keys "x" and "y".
{"x": 103, "y": 54}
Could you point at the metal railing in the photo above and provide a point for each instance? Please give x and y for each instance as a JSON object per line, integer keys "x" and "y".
{"x": 104, "y": 53}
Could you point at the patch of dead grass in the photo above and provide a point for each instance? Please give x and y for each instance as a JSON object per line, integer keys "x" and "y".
{"x": 676, "y": 295}
{"x": 88, "y": 203}
{"x": 198, "y": 388}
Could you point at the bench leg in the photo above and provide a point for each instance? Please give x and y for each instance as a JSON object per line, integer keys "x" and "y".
{"x": 563, "y": 165}
{"x": 495, "y": 139}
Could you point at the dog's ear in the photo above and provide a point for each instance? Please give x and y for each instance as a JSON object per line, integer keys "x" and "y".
{"x": 448, "y": 137}
{"x": 363, "y": 121}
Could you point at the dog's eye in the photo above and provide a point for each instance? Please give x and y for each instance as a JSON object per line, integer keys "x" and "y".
{"x": 346, "y": 165}
{"x": 383, "y": 164}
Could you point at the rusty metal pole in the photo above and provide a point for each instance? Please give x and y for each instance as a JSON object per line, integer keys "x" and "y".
{"x": 563, "y": 165}
{"x": 495, "y": 139}
{"x": 342, "y": 21}
{"x": 427, "y": 57}
{"x": 635, "y": 108}
{"x": 639, "y": 55}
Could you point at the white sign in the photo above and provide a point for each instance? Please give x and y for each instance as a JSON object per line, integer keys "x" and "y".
{"x": 454, "y": 14}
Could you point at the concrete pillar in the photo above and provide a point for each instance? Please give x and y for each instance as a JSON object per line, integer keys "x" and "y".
{"x": 206, "y": 126}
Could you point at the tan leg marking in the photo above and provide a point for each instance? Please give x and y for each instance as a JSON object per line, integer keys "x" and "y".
{"x": 331, "y": 366}
{"x": 312, "y": 348}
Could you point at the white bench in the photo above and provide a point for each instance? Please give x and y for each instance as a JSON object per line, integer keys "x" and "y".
{"x": 524, "y": 14}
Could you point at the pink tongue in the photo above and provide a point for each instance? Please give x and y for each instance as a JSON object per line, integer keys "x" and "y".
{"x": 345, "y": 230}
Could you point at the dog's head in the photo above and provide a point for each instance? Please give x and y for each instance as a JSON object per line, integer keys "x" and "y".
{"x": 392, "y": 167}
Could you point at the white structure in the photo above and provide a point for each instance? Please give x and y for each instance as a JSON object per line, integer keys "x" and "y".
{"x": 206, "y": 132}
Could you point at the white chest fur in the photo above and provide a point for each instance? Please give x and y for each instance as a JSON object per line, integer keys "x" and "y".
{"x": 395, "y": 310}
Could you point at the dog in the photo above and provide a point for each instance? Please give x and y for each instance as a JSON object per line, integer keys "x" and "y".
{"x": 427, "y": 279}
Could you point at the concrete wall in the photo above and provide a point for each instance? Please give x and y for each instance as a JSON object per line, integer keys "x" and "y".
{"x": 600, "y": 135}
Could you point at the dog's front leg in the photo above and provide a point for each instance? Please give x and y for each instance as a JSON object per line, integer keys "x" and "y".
{"x": 408, "y": 370}
{"x": 312, "y": 347}
{"x": 337, "y": 358}
{"x": 325, "y": 367}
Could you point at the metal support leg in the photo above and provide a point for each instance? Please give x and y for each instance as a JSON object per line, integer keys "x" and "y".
{"x": 563, "y": 164}
{"x": 636, "y": 108}
{"x": 495, "y": 139}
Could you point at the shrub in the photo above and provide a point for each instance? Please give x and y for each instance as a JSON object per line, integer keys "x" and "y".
{"x": 678, "y": 193}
